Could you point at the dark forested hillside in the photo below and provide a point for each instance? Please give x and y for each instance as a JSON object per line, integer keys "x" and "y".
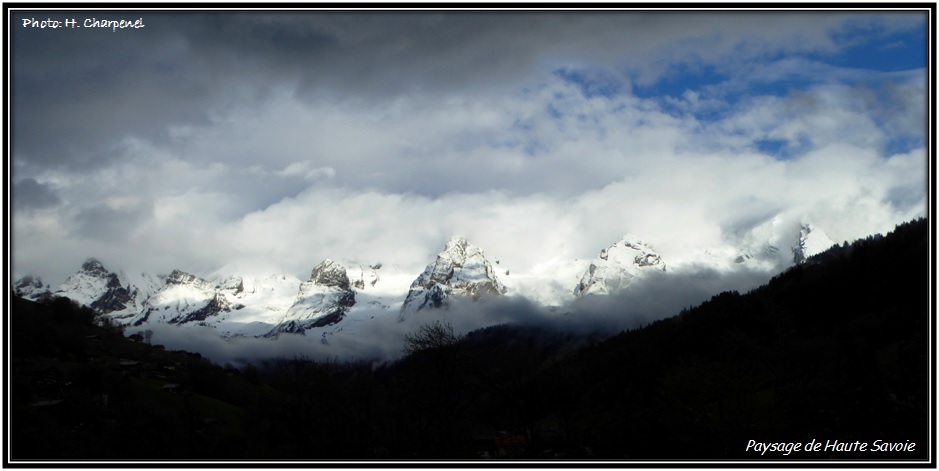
{"x": 833, "y": 349}
{"x": 81, "y": 390}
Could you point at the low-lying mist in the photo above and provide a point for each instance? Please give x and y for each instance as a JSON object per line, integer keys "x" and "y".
{"x": 377, "y": 335}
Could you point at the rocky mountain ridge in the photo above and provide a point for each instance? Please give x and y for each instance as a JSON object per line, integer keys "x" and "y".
{"x": 323, "y": 300}
{"x": 617, "y": 266}
{"x": 337, "y": 293}
{"x": 461, "y": 269}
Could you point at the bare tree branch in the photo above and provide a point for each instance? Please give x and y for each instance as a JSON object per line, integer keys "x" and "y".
{"x": 430, "y": 336}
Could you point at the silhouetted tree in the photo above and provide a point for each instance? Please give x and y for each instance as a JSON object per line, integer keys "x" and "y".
{"x": 436, "y": 335}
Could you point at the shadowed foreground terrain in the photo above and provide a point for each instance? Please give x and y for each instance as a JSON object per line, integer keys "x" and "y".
{"x": 834, "y": 349}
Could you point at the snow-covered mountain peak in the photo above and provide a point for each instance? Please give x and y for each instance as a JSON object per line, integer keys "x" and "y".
{"x": 461, "y": 269}
{"x": 456, "y": 242}
{"x": 631, "y": 247}
{"x": 235, "y": 285}
{"x": 94, "y": 267}
{"x": 253, "y": 298}
{"x": 458, "y": 252}
{"x": 322, "y": 300}
{"x": 618, "y": 265}
{"x": 30, "y": 288}
{"x": 185, "y": 298}
{"x": 812, "y": 241}
{"x": 330, "y": 273}
{"x": 114, "y": 294}
{"x": 89, "y": 284}
{"x": 456, "y": 248}
{"x": 179, "y": 277}
{"x": 632, "y": 241}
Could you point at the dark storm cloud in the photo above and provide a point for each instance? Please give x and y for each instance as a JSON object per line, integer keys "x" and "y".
{"x": 104, "y": 223}
{"x": 390, "y": 53}
{"x": 78, "y": 93}
{"x": 31, "y": 194}
{"x": 397, "y": 129}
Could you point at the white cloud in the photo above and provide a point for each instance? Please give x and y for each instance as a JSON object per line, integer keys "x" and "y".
{"x": 304, "y": 170}
{"x": 527, "y": 168}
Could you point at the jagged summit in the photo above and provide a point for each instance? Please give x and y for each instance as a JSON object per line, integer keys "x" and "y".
{"x": 31, "y": 288}
{"x": 232, "y": 284}
{"x": 107, "y": 293}
{"x": 330, "y": 274}
{"x": 322, "y": 300}
{"x": 461, "y": 269}
{"x": 618, "y": 265}
{"x": 180, "y": 277}
{"x": 185, "y": 298}
{"x": 764, "y": 246}
{"x": 339, "y": 295}
{"x": 96, "y": 287}
{"x": 812, "y": 241}
{"x": 93, "y": 266}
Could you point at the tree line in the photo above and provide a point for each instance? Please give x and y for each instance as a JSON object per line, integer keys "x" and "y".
{"x": 835, "y": 348}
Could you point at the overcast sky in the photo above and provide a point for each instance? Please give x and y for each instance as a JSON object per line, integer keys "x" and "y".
{"x": 275, "y": 140}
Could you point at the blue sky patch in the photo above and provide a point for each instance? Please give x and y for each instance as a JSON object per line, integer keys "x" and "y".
{"x": 783, "y": 149}
{"x": 902, "y": 145}
{"x": 680, "y": 79}
{"x": 592, "y": 83}
{"x": 772, "y": 147}
{"x": 902, "y": 50}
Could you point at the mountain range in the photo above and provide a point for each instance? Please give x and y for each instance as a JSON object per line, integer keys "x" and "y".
{"x": 839, "y": 345}
{"x": 340, "y": 294}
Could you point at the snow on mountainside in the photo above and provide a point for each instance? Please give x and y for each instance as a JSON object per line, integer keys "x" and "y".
{"x": 259, "y": 302}
{"x": 116, "y": 295}
{"x": 281, "y": 303}
{"x": 548, "y": 283}
{"x": 232, "y": 304}
{"x": 362, "y": 276}
{"x": 31, "y": 288}
{"x": 812, "y": 241}
{"x": 323, "y": 300}
{"x": 461, "y": 269}
{"x": 766, "y": 251}
{"x": 183, "y": 299}
{"x": 759, "y": 248}
{"x": 88, "y": 285}
{"x": 617, "y": 266}
{"x": 763, "y": 244}
{"x": 344, "y": 296}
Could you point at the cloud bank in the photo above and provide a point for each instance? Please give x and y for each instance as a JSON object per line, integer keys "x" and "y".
{"x": 279, "y": 140}
{"x": 377, "y": 335}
